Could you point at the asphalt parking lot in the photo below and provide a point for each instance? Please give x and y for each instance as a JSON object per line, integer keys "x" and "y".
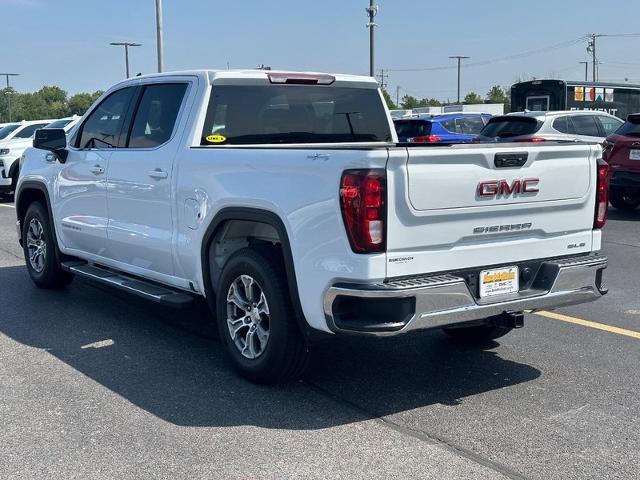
{"x": 95, "y": 384}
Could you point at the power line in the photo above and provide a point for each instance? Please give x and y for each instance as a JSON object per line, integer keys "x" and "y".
{"x": 496, "y": 60}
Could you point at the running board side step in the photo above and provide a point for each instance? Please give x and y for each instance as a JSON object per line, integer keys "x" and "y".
{"x": 142, "y": 288}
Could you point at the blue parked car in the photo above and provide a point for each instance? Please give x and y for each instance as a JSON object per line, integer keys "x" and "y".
{"x": 445, "y": 128}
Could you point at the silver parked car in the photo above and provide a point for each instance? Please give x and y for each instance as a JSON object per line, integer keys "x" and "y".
{"x": 575, "y": 125}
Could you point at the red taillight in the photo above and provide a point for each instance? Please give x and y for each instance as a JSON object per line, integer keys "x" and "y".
{"x": 363, "y": 205}
{"x": 424, "y": 139}
{"x": 534, "y": 140}
{"x": 602, "y": 195}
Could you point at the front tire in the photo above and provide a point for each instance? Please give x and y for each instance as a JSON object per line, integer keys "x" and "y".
{"x": 40, "y": 249}
{"x": 624, "y": 199}
{"x": 256, "y": 319}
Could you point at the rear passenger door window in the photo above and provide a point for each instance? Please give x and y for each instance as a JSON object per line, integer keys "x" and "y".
{"x": 103, "y": 127}
{"x": 586, "y": 125}
{"x": 156, "y": 115}
{"x": 564, "y": 125}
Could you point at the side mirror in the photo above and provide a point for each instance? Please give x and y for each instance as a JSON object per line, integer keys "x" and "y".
{"x": 53, "y": 140}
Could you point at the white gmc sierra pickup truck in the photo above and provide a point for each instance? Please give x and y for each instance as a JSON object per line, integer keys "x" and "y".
{"x": 285, "y": 200}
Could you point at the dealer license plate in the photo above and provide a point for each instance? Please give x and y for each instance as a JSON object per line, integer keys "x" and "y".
{"x": 501, "y": 281}
{"x": 634, "y": 154}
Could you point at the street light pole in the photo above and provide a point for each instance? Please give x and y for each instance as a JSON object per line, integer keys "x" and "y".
{"x": 7, "y": 75}
{"x": 372, "y": 11}
{"x": 459, "y": 58}
{"x": 159, "y": 41}
{"x": 586, "y": 71}
{"x": 126, "y": 46}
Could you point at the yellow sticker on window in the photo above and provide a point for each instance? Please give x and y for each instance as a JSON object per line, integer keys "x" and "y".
{"x": 216, "y": 138}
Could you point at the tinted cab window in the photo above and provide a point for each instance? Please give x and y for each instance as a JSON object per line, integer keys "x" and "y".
{"x": 103, "y": 127}
{"x": 275, "y": 114}
{"x": 156, "y": 115}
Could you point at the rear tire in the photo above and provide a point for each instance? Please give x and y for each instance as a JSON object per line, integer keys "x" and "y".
{"x": 624, "y": 199}
{"x": 256, "y": 319}
{"x": 477, "y": 334}
{"x": 40, "y": 249}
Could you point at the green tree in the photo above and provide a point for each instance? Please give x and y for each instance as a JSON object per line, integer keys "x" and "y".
{"x": 497, "y": 94}
{"x": 387, "y": 98}
{"x": 80, "y": 103}
{"x": 473, "y": 98}
{"x": 48, "y": 102}
{"x": 408, "y": 102}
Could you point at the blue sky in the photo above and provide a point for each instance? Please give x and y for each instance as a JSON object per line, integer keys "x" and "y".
{"x": 66, "y": 42}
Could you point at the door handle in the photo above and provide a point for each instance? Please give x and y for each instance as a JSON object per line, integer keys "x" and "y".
{"x": 97, "y": 170}
{"x": 158, "y": 174}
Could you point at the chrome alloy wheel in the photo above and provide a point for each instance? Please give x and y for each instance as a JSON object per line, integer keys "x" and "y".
{"x": 36, "y": 245}
{"x": 248, "y": 316}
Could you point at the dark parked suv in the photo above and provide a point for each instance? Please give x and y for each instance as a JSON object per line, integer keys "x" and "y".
{"x": 622, "y": 153}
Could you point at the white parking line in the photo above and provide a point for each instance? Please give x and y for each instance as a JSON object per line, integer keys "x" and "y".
{"x": 6, "y": 205}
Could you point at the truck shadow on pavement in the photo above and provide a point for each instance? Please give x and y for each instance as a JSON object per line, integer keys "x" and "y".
{"x": 633, "y": 216}
{"x": 168, "y": 364}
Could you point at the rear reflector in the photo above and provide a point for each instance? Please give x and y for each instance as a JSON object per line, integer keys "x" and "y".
{"x": 363, "y": 205}
{"x": 602, "y": 195}
{"x": 300, "y": 79}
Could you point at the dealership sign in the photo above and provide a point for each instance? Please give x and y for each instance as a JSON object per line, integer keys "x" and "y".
{"x": 594, "y": 94}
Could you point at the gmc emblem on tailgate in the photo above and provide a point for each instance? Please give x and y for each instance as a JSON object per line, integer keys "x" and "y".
{"x": 493, "y": 188}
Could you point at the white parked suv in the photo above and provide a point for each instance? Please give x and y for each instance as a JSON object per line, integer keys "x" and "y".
{"x": 284, "y": 199}
{"x": 14, "y": 139}
{"x": 570, "y": 125}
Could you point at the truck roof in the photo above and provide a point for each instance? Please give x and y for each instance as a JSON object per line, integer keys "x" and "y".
{"x": 251, "y": 75}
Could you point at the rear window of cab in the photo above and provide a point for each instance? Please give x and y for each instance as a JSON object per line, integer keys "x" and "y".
{"x": 293, "y": 114}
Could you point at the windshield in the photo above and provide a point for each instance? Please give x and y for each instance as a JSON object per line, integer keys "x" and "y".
{"x": 7, "y": 129}
{"x": 505, "y": 127}
{"x": 59, "y": 123}
{"x": 245, "y": 115}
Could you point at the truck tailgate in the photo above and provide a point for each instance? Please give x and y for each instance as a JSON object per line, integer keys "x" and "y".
{"x": 467, "y": 206}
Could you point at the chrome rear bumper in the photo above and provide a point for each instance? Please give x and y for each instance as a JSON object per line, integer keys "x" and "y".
{"x": 444, "y": 300}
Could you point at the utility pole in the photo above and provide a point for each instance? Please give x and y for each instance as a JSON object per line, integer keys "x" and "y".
{"x": 159, "y": 41}
{"x": 7, "y": 75}
{"x": 459, "y": 58}
{"x": 586, "y": 71}
{"x": 126, "y": 46}
{"x": 398, "y": 96}
{"x": 383, "y": 75}
{"x": 591, "y": 48}
{"x": 372, "y": 11}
